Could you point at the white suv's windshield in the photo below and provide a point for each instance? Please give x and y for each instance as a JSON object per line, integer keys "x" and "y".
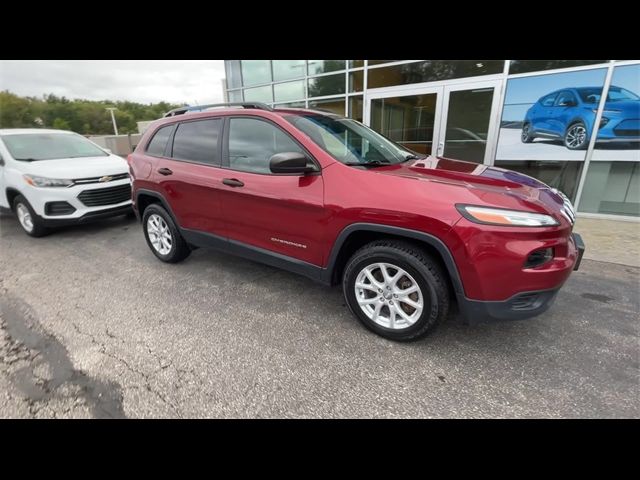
{"x": 31, "y": 147}
{"x": 348, "y": 141}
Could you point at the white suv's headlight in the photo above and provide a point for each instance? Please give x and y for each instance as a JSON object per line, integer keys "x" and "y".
{"x": 499, "y": 216}
{"x": 46, "y": 182}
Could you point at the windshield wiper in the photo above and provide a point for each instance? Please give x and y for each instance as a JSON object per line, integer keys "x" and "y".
{"x": 373, "y": 163}
{"x": 27, "y": 159}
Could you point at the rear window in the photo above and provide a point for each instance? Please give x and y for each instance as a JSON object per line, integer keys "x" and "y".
{"x": 159, "y": 141}
{"x": 197, "y": 141}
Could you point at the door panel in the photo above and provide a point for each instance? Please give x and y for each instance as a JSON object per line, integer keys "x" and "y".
{"x": 280, "y": 213}
{"x": 193, "y": 192}
{"x": 284, "y": 214}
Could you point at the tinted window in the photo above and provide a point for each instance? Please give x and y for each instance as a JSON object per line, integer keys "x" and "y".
{"x": 564, "y": 98}
{"x": 197, "y": 141}
{"x": 159, "y": 141}
{"x": 548, "y": 100}
{"x": 253, "y": 142}
{"x": 523, "y": 66}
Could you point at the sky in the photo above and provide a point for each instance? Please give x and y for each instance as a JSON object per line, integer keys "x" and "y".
{"x": 143, "y": 81}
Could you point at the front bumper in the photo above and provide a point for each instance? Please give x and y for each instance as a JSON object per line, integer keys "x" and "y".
{"x": 88, "y": 217}
{"x": 521, "y": 305}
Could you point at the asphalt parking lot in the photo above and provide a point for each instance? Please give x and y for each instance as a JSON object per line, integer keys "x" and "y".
{"x": 93, "y": 325}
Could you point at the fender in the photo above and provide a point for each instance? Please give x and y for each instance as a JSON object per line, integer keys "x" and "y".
{"x": 433, "y": 241}
{"x": 157, "y": 195}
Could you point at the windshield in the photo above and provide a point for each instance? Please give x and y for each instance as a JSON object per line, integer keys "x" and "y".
{"x": 50, "y": 146}
{"x": 348, "y": 141}
{"x": 616, "y": 94}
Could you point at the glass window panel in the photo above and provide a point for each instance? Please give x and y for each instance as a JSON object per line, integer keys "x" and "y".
{"x": 286, "y": 69}
{"x": 288, "y": 91}
{"x": 378, "y": 62}
{"x": 255, "y": 72}
{"x": 408, "y": 120}
{"x": 258, "y": 94}
{"x": 326, "y": 85}
{"x": 356, "y": 63}
{"x": 561, "y": 175}
{"x": 197, "y": 141}
{"x": 252, "y": 143}
{"x": 524, "y": 66}
{"x": 612, "y": 187}
{"x": 336, "y": 105}
{"x": 619, "y": 132}
{"x": 234, "y": 80}
{"x": 323, "y": 66}
{"x": 355, "y": 108}
{"x": 430, "y": 71}
{"x": 468, "y": 124}
{"x": 356, "y": 81}
{"x": 290, "y": 105}
{"x": 159, "y": 141}
{"x": 235, "y": 95}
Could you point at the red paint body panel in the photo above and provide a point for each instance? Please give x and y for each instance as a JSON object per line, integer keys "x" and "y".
{"x": 302, "y": 216}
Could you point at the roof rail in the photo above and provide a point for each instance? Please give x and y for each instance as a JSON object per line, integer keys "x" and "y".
{"x": 181, "y": 110}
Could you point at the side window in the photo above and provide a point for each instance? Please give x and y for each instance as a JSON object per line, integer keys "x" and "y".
{"x": 565, "y": 98}
{"x": 159, "y": 141}
{"x": 253, "y": 142}
{"x": 197, "y": 141}
{"x": 548, "y": 100}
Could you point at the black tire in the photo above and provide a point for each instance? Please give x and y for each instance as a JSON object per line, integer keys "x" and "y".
{"x": 525, "y": 136}
{"x": 424, "y": 269}
{"x": 179, "y": 248}
{"x": 38, "y": 229}
{"x": 570, "y": 135}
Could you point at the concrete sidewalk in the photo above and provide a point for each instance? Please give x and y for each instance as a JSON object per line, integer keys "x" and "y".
{"x": 611, "y": 241}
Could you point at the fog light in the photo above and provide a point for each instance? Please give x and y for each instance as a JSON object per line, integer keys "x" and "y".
{"x": 539, "y": 257}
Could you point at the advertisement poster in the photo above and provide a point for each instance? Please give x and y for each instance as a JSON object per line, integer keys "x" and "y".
{"x": 549, "y": 117}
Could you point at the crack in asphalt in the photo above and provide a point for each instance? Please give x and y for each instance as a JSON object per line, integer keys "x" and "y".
{"x": 24, "y": 340}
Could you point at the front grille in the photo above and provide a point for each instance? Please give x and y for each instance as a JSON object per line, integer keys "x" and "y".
{"x": 58, "y": 208}
{"x": 105, "y": 196}
{"x": 105, "y": 178}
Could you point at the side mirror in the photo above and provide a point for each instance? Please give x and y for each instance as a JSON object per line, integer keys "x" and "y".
{"x": 108, "y": 150}
{"x": 291, "y": 162}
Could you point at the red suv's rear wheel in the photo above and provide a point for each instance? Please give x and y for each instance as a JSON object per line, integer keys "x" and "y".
{"x": 396, "y": 290}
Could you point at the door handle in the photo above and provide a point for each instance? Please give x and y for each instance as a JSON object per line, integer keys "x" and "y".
{"x": 165, "y": 171}
{"x": 233, "y": 182}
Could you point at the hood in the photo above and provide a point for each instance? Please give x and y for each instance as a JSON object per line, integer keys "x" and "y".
{"x": 482, "y": 185}
{"x": 631, "y": 107}
{"x": 73, "y": 168}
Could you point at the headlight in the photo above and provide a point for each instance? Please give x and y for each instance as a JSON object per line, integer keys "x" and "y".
{"x": 499, "y": 216}
{"x": 46, "y": 182}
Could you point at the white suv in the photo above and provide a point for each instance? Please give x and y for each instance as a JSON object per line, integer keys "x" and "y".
{"x": 53, "y": 177}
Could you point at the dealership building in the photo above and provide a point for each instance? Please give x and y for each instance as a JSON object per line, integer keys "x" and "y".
{"x": 546, "y": 118}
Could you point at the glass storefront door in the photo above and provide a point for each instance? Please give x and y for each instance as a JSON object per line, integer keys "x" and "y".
{"x": 455, "y": 121}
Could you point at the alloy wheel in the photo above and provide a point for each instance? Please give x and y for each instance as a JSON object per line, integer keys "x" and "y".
{"x": 24, "y": 217}
{"x": 389, "y": 295}
{"x": 576, "y": 136}
{"x": 159, "y": 234}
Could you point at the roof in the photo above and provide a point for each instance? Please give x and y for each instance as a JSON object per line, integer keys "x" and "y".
{"x": 24, "y": 131}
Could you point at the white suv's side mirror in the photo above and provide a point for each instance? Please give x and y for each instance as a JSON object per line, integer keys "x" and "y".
{"x": 108, "y": 150}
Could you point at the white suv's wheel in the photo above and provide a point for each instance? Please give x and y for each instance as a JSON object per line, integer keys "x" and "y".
{"x": 29, "y": 221}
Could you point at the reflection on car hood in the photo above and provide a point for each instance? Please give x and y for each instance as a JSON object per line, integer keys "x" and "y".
{"x": 73, "y": 168}
{"x": 474, "y": 176}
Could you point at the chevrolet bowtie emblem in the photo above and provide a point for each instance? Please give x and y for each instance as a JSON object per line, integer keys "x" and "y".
{"x": 106, "y": 178}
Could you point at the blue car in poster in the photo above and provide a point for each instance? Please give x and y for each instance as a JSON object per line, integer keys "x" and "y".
{"x": 569, "y": 115}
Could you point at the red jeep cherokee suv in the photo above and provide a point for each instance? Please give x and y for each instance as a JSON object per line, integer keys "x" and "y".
{"x": 327, "y": 197}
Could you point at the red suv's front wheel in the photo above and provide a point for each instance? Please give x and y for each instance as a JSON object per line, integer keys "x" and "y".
{"x": 396, "y": 290}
